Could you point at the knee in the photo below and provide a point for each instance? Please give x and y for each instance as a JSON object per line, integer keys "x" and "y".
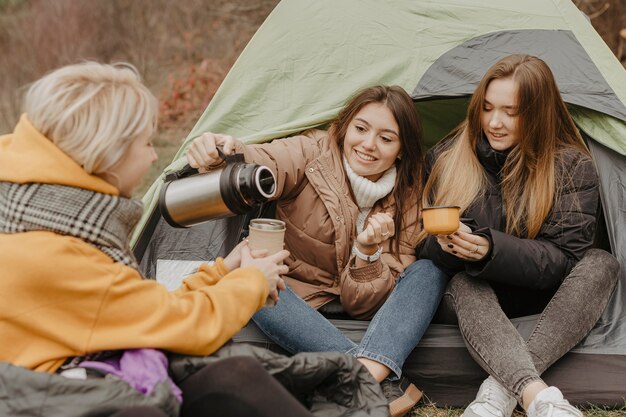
{"x": 603, "y": 261}
{"x": 425, "y": 270}
{"x": 597, "y": 267}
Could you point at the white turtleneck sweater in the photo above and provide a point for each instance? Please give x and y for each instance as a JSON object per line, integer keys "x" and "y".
{"x": 368, "y": 192}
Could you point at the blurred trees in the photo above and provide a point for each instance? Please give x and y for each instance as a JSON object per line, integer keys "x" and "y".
{"x": 608, "y": 17}
{"x": 166, "y": 40}
{"x": 182, "y": 48}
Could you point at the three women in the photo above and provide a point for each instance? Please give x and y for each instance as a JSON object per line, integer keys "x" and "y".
{"x": 517, "y": 167}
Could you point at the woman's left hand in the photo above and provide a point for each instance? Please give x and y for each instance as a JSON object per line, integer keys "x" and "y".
{"x": 233, "y": 259}
{"x": 379, "y": 228}
{"x": 464, "y": 244}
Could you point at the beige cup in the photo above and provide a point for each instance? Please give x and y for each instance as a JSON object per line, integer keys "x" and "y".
{"x": 266, "y": 234}
{"x": 441, "y": 220}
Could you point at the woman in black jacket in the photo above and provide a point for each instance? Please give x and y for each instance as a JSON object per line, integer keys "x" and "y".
{"x": 528, "y": 192}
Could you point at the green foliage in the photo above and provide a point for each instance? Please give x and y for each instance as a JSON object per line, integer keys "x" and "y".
{"x": 11, "y": 4}
{"x": 594, "y": 411}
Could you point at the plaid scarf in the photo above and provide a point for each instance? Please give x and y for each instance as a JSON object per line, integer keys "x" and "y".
{"x": 102, "y": 220}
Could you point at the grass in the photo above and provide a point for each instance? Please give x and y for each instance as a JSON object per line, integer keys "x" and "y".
{"x": 432, "y": 411}
{"x": 594, "y": 411}
{"x": 425, "y": 409}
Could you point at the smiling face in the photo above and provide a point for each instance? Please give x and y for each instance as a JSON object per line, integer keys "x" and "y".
{"x": 372, "y": 141}
{"x": 500, "y": 114}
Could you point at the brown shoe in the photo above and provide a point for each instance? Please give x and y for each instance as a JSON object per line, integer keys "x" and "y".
{"x": 401, "y": 395}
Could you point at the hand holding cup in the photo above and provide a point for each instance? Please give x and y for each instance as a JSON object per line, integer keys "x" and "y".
{"x": 267, "y": 235}
{"x": 271, "y": 266}
{"x": 233, "y": 259}
{"x": 464, "y": 244}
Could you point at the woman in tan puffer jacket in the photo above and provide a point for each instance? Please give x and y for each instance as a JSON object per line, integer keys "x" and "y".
{"x": 349, "y": 199}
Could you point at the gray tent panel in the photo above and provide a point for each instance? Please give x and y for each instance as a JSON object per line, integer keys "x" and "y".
{"x": 443, "y": 368}
{"x": 580, "y": 81}
{"x": 199, "y": 243}
{"x": 609, "y": 334}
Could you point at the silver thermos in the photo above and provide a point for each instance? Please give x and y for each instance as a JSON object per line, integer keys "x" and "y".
{"x": 188, "y": 198}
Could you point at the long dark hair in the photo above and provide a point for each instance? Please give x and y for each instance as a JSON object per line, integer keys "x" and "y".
{"x": 410, "y": 164}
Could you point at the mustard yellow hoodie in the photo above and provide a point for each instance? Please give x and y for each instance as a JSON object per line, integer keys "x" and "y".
{"x": 61, "y": 297}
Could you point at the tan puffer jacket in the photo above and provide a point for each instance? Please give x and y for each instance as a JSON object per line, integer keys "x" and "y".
{"x": 315, "y": 201}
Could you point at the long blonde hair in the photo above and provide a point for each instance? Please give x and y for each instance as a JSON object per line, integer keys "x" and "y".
{"x": 530, "y": 178}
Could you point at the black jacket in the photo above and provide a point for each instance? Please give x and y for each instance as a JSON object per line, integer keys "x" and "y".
{"x": 536, "y": 264}
{"x": 330, "y": 384}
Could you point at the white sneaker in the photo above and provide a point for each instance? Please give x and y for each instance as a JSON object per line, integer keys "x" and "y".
{"x": 492, "y": 400}
{"x": 550, "y": 403}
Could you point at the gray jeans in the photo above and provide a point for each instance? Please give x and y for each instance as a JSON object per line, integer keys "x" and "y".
{"x": 496, "y": 345}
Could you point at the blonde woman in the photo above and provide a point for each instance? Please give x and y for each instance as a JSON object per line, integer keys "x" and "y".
{"x": 72, "y": 301}
{"x": 528, "y": 191}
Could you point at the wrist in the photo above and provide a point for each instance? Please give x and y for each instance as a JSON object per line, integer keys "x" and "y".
{"x": 366, "y": 249}
{"x": 369, "y": 257}
{"x": 221, "y": 266}
{"x": 228, "y": 264}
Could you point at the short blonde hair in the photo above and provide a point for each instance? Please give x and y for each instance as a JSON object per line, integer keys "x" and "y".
{"x": 92, "y": 111}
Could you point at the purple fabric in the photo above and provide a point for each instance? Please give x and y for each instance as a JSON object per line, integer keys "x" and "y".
{"x": 141, "y": 368}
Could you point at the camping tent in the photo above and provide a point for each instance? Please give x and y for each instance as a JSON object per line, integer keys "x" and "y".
{"x": 309, "y": 57}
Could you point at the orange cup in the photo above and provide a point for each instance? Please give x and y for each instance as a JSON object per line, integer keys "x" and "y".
{"x": 441, "y": 220}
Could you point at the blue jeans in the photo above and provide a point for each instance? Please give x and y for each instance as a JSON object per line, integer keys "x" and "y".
{"x": 391, "y": 335}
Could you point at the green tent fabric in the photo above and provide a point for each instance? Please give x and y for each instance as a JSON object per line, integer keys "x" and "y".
{"x": 308, "y": 58}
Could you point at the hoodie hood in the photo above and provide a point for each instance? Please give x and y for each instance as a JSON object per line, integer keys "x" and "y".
{"x": 28, "y": 156}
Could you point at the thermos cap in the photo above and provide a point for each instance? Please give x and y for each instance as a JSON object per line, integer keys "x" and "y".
{"x": 267, "y": 224}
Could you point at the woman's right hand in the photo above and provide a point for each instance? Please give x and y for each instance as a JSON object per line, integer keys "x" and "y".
{"x": 464, "y": 244}
{"x": 202, "y": 153}
{"x": 271, "y": 266}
